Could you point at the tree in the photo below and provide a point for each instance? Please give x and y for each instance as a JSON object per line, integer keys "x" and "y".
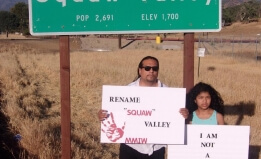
{"x": 253, "y": 8}
{"x": 21, "y": 11}
{"x": 244, "y": 12}
{"x": 8, "y": 21}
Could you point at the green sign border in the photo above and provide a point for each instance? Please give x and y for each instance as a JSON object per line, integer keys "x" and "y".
{"x": 79, "y": 17}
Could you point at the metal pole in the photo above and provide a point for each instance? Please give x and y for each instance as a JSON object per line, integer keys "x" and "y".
{"x": 199, "y": 41}
{"x": 198, "y": 65}
{"x": 199, "y": 45}
{"x": 119, "y": 39}
{"x": 233, "y": 46}
{"x": 65, "y": 96}
{"x": 213, "y": 44}
{"x": 241, "y": 44}
{"x": 188, "y": 65}
{"x": 256, "y": 44}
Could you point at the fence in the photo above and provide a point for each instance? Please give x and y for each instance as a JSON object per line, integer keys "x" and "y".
{"x": 235, "y": 46}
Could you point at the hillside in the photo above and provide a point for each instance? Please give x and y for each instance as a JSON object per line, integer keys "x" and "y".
{"x": 230, "y": 3}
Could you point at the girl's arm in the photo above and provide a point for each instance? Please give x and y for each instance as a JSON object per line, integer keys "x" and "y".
{"x": 220, "y": 119}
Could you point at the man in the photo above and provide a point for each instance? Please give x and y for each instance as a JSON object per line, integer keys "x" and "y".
{"x": 148, "y": 70}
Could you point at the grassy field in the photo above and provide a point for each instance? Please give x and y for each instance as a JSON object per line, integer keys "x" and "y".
{"x": 30, "y": 94}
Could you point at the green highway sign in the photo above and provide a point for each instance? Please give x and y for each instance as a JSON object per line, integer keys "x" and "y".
{"x": 77, "y": 17}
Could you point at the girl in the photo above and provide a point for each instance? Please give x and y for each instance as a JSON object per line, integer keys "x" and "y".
{"x": 205, "y": 105}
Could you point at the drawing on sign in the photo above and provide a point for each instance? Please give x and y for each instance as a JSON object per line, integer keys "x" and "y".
{"x": 112, "y": 131}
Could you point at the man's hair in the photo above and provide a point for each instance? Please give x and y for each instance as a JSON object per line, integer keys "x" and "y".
{"x": 141, "y": 64}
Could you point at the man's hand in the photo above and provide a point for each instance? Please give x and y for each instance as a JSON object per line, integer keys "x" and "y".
{"x": 103, "y": 114}
{"x": 184, "y": 112}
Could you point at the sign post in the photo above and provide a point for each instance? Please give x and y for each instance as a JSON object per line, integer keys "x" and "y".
{"x": 65, "y": 96}
{"x": 188, "y": 61}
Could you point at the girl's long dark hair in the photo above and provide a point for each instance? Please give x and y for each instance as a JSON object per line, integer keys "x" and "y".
{"x": 217, "y": 102}
{"x": 141, "y": 65}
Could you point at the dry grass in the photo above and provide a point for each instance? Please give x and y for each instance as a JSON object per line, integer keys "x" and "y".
{"x": 30, "y": 94}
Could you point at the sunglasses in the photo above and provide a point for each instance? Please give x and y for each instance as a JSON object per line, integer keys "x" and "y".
{"x": 148, "y": 68}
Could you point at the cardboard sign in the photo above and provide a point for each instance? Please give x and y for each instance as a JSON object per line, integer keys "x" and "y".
{"x": 213, "y": 142}
{"x": 141, "y": 115}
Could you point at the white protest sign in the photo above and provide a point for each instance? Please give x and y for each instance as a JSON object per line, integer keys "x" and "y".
{"x": 213, "y": 142}
{"x": 201, "y": 52}
{"x": 141, "y": 115}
